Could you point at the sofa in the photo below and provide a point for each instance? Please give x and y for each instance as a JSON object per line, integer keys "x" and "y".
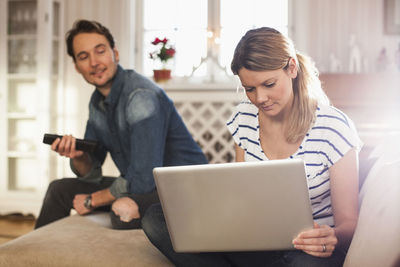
{"x": 89, "y": 241}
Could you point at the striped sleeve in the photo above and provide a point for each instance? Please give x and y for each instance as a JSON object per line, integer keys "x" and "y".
{"x": 243, "y": 124}
{"x": 337, "y": 134}
{"x": 233, "y": 125}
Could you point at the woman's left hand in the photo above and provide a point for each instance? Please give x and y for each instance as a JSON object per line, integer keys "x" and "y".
{"x": 319, "y": 241}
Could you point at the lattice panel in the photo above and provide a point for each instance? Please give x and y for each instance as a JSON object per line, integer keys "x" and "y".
{"x": 206, "y": 121}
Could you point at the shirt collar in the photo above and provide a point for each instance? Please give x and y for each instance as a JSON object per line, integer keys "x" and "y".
{"x": 116, "y": 87}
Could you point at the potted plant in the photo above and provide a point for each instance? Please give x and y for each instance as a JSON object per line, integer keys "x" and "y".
{"x": 163, "y": 54}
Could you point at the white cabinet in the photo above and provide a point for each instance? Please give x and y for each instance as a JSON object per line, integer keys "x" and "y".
{"x": 31, "y": 40}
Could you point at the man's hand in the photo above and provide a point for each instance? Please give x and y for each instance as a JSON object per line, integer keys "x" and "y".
{"x": 66, "y": 147}
{"x": 78, "y": 204}
{"x": 320, "y": 241}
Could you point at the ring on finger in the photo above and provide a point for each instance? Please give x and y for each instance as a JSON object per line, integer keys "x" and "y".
{"x": 323, "y": 248}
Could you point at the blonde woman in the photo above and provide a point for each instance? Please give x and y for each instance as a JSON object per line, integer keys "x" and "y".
{"x": 288, "y": 115}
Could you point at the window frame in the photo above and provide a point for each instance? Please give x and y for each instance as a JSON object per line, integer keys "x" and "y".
{"x": 213, "y": 48}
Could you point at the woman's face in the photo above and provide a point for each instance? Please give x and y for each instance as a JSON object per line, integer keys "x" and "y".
{"x": 270, "y": 91}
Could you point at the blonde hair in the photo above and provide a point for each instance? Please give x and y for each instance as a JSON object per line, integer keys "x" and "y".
{"x": 265, "y": 49}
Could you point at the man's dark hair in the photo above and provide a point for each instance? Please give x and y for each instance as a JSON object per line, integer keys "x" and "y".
{"x": 86, "y": 26}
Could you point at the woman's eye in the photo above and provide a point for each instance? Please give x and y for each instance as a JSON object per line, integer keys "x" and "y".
{"x": 249, "y": 89}
{"x": 269, "y": 85}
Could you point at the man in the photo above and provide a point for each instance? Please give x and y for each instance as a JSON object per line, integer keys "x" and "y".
{"x": 130, "y": 117}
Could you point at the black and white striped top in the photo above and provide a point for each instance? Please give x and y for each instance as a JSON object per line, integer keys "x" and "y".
{"x": 331, "y": 136}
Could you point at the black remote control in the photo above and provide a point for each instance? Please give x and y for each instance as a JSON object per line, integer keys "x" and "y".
{"x": 81, "y": 144}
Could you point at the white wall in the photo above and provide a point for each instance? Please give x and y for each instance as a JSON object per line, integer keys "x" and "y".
{"x": 321, "y": 27}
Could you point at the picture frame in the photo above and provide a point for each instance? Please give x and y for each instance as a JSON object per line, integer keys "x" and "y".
{"x": 392, "y": 17}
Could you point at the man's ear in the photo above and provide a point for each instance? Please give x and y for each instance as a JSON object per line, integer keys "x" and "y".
{"x": 116, "y": 55}
{"x": 292, "y": 69}
{"x": 76, "y": 67}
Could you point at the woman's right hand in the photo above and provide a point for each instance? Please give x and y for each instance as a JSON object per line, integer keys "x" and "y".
{"x": 319, "y": 242}
{"x": 66, "y": 147}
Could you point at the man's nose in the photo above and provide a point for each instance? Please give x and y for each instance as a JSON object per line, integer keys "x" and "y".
{"x": 93, "y": 60}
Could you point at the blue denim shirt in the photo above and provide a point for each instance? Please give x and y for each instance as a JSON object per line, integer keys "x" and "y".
{"x": 140, "y": 127}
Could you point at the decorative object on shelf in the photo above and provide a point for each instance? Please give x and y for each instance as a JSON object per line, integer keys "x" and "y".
{"x": 162, "y": 75}
{"x": 212, "y": 60}
{"x": 355, "y": 56}
{"x": 382, "y": 61}
{"x": 162, "y": 55}
{"x": 397, "y": 58}
{"x": 334, "y": 64}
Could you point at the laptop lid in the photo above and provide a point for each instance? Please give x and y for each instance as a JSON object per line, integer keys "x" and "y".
{"x": 243, "y": 206}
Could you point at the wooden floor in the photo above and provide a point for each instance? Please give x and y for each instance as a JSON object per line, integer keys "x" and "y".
{"x": 15, "y": 225}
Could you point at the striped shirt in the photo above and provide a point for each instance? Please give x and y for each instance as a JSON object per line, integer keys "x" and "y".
{"x": 330, "y": 137}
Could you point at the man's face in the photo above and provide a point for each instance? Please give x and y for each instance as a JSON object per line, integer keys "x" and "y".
{"x": 95, "y": 59}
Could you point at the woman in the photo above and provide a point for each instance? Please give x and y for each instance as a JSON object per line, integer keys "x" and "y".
{"x": 287, "y": 116}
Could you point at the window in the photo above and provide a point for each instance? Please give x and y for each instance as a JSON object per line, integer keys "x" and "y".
{"x": 204, "y": 32}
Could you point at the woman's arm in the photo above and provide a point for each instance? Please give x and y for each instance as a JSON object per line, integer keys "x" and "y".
{"x": 323, "y": 240}
{"x": 239, "y": 153}
{"x": 344, "y": 196}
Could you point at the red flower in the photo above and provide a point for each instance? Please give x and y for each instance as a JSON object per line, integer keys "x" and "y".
{"x": 156, "y": 41}
{"x": 170, "y": 52}
{"x": 164, "y": 52}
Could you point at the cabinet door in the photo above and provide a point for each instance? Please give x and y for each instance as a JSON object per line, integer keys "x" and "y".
{"x": 30, "y": 36}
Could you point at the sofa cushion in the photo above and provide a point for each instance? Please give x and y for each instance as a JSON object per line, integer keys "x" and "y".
{"x": 376, "y": 241}
{"x": 81, "y": 241}
{"x": 388, "y": 150}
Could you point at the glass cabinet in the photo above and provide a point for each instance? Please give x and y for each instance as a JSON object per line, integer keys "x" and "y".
{"x": 30, "y": 84}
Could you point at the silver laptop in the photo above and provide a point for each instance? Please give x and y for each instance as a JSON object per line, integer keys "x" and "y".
{"x": 244, "y": 206}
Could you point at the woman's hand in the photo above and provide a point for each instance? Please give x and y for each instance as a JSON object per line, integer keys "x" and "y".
{"x": 319, "y": 241}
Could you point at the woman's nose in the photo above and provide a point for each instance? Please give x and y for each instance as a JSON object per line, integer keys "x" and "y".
{"x": 261, "y": 96}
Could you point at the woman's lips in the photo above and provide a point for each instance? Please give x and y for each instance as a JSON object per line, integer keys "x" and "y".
{"x": 267, "y": 108}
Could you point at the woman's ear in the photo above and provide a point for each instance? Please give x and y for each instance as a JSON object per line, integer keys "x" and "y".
{"x": 292, "y": 69}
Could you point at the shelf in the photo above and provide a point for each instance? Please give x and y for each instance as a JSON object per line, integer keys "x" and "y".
{"x": 22, "y": 37}
{"x": 19, "y": 154}
{"x": 22, "y": 76}
{"x": 20, "y": 116}
{"x": 31, "y": 42}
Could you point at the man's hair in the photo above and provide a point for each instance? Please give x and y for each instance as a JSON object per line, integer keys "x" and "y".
{"x": 86, "y": 26}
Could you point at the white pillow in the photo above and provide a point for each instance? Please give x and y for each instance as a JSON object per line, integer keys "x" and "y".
{"x": 376, "y": 241}
{"x": 387, "y": 151}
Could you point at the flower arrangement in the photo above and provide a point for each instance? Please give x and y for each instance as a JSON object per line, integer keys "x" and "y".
{"x": 164, "y": 52}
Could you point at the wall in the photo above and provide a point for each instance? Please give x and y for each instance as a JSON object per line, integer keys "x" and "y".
{"x": 319, "y": 27}
{"x": 322, "y": 27}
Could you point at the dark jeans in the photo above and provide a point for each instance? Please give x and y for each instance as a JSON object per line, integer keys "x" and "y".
{"x": 153, "y": 224}
{"x": 57, "y": 203}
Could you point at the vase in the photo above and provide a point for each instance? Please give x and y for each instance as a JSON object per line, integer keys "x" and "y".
{"x": 162, "y": 75}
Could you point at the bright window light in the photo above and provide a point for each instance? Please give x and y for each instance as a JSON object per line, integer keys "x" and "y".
{"x": 195, "y": 32}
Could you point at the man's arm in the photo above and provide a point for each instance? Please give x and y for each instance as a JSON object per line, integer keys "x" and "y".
{"x": 147, "y": 134}
{"x": 99, "y": 198}
{"x": 88, "y": 165}
{"x": 66, "y": 146}
{"x": 82, "y": 164}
